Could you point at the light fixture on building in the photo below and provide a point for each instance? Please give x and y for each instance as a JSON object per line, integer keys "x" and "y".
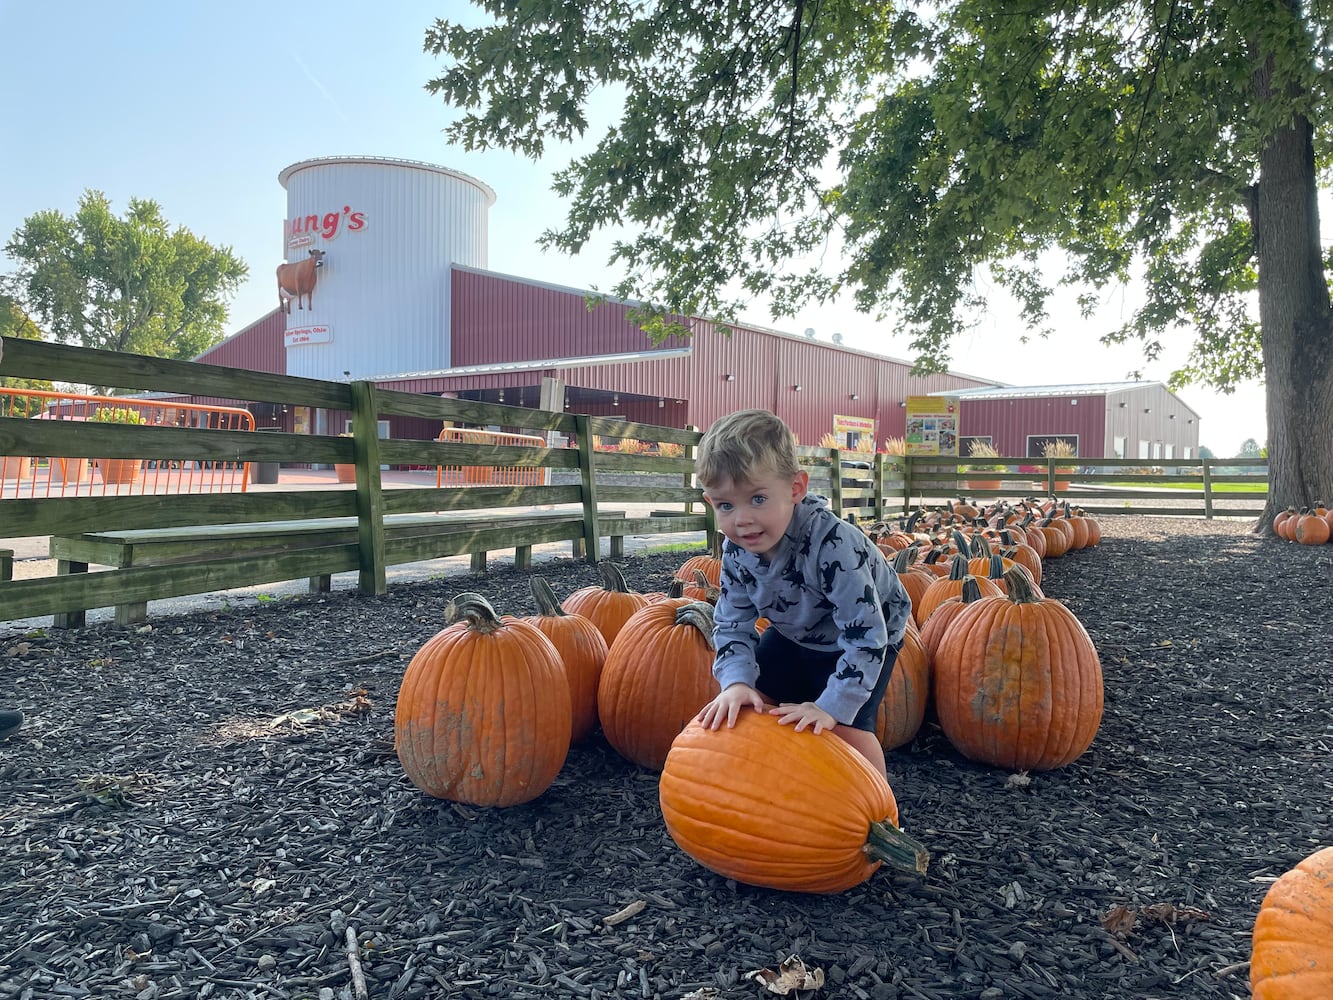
{"x": 661, "y": 403}
{"x": 1147, "y": 409}
{"x": 729, "y": 377}
{"x": 855, "y": 395}
{"x": 502, "y": 396}
{"x": 1123, "y": 405}
{"x": 1190, "y": 420}
{"x": 1170, "y": 416}
{"x": 1073, "y": 402}
{"x": 615, "y": 400}
{"x": 796, "y": 388}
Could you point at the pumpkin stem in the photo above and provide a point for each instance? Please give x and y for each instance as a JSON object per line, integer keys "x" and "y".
{"x": 700, "y": 615}
{"x": 478, "y": 612}
{"x": 1019, "y": 586}
{"x": 896, "y": 849}
{"x": 612, "y": 578}
{"x": 547, "y": 605}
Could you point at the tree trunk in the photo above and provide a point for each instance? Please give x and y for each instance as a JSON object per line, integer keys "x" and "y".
{"x": 1294, "y": 317}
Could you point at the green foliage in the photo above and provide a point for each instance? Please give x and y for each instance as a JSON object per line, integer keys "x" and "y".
{"x": 128, "y": 283}
{"x": 14, "y": 322}
{"x": 117, "y": 415}
{"x": 938, "y": 147}
{"x": 1250, "y": 448}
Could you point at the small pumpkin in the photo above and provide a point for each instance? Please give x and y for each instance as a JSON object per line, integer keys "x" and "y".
{"x": 582, "y": 652}
{"x": 709, "y": 565}
{"x": 903, "y": 708}
{"x": 607, "y": 606}
{"x": 483, "y": 713}
{"x": 763, "y": 804}
{"x": 657, "y": 676}
{"x": 1291, "y": 956}
{"x": 1311, "y": 529}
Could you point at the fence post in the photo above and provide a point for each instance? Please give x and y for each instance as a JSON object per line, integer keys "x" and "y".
{"x": 877, "y": 468}
{"x": 369, "y": 489}
{"x": 835, "y": 482}
{"x": 1207, "y": 491}
{"x": 592, "y": 546}
{"x": 907, "y": 483}
{"x": 688, "y": 477}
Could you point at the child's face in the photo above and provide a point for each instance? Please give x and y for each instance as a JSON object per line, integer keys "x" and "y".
{"x": 755, "y": 514}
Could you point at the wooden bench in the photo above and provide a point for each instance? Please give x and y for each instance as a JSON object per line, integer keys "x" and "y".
{"x": 200, "y": 543}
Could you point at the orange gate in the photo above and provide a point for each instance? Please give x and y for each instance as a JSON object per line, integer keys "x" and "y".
{"x": 490, "y": 475}
{"x": 47, "y": 477}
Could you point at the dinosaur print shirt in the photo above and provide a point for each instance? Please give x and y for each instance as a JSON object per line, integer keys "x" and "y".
{"x": 827, "y": 587}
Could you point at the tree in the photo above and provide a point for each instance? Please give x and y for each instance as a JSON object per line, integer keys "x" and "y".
{"x": 1249, "y": 448}
{"x": 1151, "y": 142}
{"x": 14, "y": 322}
{"x": 124, "y": 284}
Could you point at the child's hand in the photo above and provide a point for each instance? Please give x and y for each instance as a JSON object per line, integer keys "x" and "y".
{"x": 806, "y": 714}
{"x": 728, "y": 705}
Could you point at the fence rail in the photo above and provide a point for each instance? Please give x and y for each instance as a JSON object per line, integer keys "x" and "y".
{"x": 597, "y": 462}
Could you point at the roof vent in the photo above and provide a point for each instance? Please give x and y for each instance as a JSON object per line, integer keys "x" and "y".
{"x": 837, "y": 338}
{"x": 809, "y": 333}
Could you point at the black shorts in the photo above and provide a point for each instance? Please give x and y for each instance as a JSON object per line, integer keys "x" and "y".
{"x": 790, "y": 672}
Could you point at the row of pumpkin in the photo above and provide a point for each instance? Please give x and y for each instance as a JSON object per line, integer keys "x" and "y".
{"x": 1308, "y": 525}
{"x": 639, "y": 665}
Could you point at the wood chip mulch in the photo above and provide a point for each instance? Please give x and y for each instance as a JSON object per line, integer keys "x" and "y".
{"x": 211, "y": 806}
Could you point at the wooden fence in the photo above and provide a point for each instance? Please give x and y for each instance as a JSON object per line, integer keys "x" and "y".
{"x": 408, "y": 524}
{"x": 484, "y": 517}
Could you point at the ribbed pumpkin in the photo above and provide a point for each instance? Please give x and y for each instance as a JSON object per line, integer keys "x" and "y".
{"x": 933, "y": 632}
{"x": 1017, "y": 681}
{"x": 483, "y": 713}
{"x": 1291, "y": 956}
{"x": 951, "y": 586}
{"x": 607, "y": 606}
{"x": 768, "y": 806}
{"x": 904, "y": 705}
{"x": 657, "y": 676}
{"x": 709, "y": 565}
{"x": 1311, "y": 529}
{"x": 582, "y": 652}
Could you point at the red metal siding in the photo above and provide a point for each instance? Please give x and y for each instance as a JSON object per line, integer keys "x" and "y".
{"x": 256, "y": 348}
{"x": 1009, "y": 422}
{"x": 495, "y": 319}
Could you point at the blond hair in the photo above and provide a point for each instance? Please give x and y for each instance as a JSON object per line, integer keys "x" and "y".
{"x": 744, "y": 447}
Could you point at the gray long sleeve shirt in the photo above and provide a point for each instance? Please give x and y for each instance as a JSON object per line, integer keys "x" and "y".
{"x": 827, "y": 587}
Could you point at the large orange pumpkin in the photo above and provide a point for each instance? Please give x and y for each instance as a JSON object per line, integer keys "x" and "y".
{"x": 1017, "y": 681}
{"x": 607, "y": 606}
{"x": 582, "y": 652}
{"x": 483, "y": 713}
{"x": 709, "y": 565}
{"x": 657, "y": 676}
{"x": 768, "y": 806}
{"x": 1291, "y": 957}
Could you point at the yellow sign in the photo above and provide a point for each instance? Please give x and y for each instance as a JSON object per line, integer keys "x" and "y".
{"x": 932, "y": 425}
{"x": 850, "y": 430}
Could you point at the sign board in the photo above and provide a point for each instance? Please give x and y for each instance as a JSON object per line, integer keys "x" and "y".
{"x": 298, "y": 335}
{"x": 932, "y": 425}
{"x": 850, "y": 430}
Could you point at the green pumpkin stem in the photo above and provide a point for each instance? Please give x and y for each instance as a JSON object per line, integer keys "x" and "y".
{"x": 896, "y": 849}
{"x": 700, "y": 615}
{"x": 612, "y": 578}
{"x": 544, "y": 596}
{"x": 478, "y": 612}
{"x": 1019, "y": 586}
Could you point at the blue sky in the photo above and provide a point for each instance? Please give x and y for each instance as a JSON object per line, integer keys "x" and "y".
{"x": 199, "y": 107}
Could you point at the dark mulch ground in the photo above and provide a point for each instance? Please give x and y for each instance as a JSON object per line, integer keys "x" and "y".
{"x": 164, "y": 833}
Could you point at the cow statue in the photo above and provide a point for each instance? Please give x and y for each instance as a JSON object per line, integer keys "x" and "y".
{"x": 297, "y": 281}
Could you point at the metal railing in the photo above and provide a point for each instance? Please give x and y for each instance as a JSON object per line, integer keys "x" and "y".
{"x": 74, "y": 475}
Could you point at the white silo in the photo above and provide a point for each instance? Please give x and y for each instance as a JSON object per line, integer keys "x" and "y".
{"x": 388, "y": 230}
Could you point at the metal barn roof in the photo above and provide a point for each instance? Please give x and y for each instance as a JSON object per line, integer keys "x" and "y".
{"x": 1032, "y": 391}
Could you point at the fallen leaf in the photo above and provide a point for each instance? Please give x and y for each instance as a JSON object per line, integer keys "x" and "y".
{"x": 789, "y": 977}
{"x": 1118, "y": 921}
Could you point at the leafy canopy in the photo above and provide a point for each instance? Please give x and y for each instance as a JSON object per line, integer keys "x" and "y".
{"x": 126, "y": 283}
{"x": 897, "y": 153}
